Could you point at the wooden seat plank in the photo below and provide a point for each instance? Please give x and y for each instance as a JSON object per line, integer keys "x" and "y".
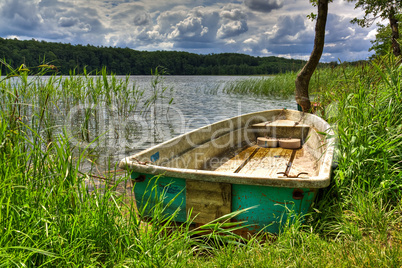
{"x": 271, "y": 161}
{"x": 232, "y": 164}
{"x": 304, "y": 162}
{"x": 267, "y": 162}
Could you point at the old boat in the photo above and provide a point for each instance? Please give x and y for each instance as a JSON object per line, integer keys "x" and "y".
{"x": 276, "y": 160}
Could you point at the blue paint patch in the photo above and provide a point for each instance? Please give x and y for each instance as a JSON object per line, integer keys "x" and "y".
{"x": 155, "y": 157}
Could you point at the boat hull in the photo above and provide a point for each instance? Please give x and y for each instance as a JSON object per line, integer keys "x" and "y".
{"x": 274, "y": 207}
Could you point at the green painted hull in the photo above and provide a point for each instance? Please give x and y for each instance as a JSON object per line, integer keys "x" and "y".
{"x": 274, "y": 206}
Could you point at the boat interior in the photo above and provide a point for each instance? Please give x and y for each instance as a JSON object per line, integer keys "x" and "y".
{"x": 285, "y": 153}
{"x": 274, "y": 149}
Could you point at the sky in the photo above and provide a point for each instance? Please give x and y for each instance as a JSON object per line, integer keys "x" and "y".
{"x": 254, "y": 27}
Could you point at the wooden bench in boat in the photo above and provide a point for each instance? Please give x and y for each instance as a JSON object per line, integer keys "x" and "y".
{"x": 268, "y": 162}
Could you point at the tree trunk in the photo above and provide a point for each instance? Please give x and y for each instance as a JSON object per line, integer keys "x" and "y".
{"x": 303, "y": 78}
{"x": 393, "y": 22}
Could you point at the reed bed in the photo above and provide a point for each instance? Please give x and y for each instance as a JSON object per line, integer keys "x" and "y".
{"x": 282, "y": 86}
{"x": 51, "y": 216}
{"x": 278, "y": 86}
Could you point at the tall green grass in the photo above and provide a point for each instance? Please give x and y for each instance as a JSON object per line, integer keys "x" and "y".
{"x": 366, "y": 192}
{"x": 50, "y": 215}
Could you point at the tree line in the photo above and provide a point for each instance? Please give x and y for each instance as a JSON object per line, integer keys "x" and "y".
{"x": 121, "y": 61}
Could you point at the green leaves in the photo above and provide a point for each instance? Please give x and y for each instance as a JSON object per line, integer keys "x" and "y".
{"x": 385, "y": 10}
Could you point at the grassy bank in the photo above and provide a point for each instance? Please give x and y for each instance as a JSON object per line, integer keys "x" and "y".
{"x": 50, "y": 217}
{"x": 357, "y": 221}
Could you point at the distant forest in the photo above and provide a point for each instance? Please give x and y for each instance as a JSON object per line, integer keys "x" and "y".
{"x": 122, "y": 61}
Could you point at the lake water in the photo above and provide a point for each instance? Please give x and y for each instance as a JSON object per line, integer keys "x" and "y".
{"x": 182, "y": 104}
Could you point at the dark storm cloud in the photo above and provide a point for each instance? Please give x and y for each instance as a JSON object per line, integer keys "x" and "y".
{"x": 86, "y": 20}
{"x": 68, "y": 22}
{"x": 263, "y": 5}
{"x": 20, "y": 14}
{"x": 54, "y": 4}
{"x": 142, "y": 19}
{"x": 340, "y": 30}
{"x": 133, "y": 14}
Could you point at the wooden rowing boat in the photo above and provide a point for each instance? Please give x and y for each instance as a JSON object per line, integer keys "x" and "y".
{"x": 275, "y": 160}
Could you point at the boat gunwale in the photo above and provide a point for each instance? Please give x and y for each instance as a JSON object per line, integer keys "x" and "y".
{"x": 322, "y": 180}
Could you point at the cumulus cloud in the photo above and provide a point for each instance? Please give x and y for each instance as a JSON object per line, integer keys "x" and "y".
{"x": 198, "y": 27}
{"x": 231, "y": 29}
{"x": 256, "y": 27}
{"x": 234, "y": 14}
{"x": 168, "y": 19}
{"x": 233, "y": 23}
{"x": 189, "y": 27}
